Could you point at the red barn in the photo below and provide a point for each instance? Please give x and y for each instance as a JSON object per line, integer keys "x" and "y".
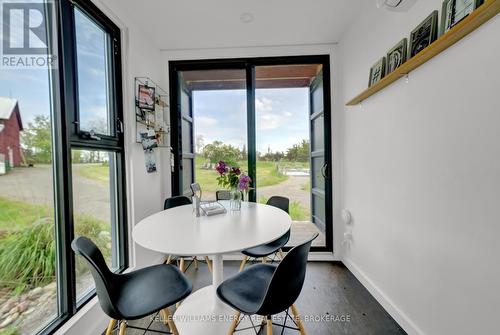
{"x": 10, "y": 128}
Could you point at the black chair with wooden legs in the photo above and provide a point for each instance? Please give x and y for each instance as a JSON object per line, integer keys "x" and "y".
{"x": 176, "y": 201}
{"x": 268, "y": 289}
{"x": 136, "y": 294}
{"x": 273, "y": 248}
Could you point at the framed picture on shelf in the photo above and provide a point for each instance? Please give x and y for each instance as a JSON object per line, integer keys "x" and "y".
{"x": 424, "y": 34}
{"x": 146, "y": 97}
{"x": 377, "y": 71}
{"x": 454, "y": 11}
{"x": 396, "y": 56}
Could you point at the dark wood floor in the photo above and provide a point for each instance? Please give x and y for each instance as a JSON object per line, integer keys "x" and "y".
{"x": 331, "y": 296}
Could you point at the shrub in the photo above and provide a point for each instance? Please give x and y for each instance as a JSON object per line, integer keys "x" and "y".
{"x": 29, "y": 255}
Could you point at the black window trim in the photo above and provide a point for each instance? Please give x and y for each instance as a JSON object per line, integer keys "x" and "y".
{"x": 66, "y": 136}
{"x": 250, "y": 63}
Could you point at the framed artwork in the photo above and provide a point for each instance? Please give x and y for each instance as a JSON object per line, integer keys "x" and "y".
{"x": 377, "y": 71}
{"x": 146, "y": 97}
{"x": 453, "y": 11}
{"x": 396, "y": 56}
{"x": 425, "y": 33}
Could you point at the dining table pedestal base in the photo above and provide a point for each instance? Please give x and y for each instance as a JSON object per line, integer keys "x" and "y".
{"x": 200, "y": 314}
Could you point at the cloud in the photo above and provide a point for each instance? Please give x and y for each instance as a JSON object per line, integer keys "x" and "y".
{"x": 263, "y": 105}
{"x": 205, "y": 121}
{"x": 268, "y": 119}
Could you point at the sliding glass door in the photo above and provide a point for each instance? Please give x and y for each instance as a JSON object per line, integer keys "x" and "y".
{"x": 266, "y": 116}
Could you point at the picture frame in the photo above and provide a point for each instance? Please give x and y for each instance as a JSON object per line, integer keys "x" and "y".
{"x": 377, "y": 71}
{"x": 424, "y": 34}
{"x": 396, "y": 56}
{"x": 454, "y": 11}
{"x": 146, "y": 97}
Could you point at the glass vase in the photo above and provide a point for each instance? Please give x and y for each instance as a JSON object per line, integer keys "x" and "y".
{"x": 235, "y": 201}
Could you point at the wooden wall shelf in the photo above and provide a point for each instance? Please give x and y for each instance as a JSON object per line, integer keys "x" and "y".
{"x": 486, "y": 11}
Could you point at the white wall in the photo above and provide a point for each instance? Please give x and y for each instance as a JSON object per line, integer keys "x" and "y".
{"x": 145, "y": 191}
{"x": 296, "y": 50}
{"x": 421, "y": 176}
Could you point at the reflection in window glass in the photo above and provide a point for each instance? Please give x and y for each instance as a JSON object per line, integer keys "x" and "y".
{"x": 28, "y": 288}
{"x": 93, "y": 88}
{"x": 94, "y": 199}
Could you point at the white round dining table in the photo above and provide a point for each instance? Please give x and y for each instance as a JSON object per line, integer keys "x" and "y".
{"x": 178, "y": 231}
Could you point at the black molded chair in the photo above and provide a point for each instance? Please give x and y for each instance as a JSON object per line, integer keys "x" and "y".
{"x": 176, "y": 201}
{"x": 268, "y": 289}
{"x": 274, "y": 247}
{"x": 136, "y": 294}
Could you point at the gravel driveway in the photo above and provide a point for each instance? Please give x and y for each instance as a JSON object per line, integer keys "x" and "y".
{"x": 34, "y": 185}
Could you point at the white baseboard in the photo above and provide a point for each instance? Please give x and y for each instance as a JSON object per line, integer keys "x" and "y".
{"x": 401, "y": 318}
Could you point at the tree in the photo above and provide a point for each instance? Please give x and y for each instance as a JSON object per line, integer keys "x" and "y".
{"x": 298, "y": 152}
{"x": 218, "y": 151}
{"x": 36, "y": 140}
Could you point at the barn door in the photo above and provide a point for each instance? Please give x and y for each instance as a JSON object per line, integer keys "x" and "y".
{"x": 319, "y": 161}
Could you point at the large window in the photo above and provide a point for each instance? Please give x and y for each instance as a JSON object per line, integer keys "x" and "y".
{"x": 61, "y": 167}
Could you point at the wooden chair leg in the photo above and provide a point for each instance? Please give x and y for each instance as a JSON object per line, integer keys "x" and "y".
{"x": 264, "y": 259}
{"x": 167, "y": 318}
{"x": 123, "y": 326}
{"x": 169, "y": 259}
{"x": 269, "y": 326}
{"x": 296, "y": 315}
{"x": 243, "y": 262}
{"x": 234, "y": 324}
{"x": 280, "y": 252}
{"x": 195, "y": 263}
{"x": 209, "y": 263}
{"x": 111, "y": 326}
{"x": 181, "y": 265}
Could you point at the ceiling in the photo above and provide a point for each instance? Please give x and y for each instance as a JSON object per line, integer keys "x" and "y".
{"x": 194, "y": 24}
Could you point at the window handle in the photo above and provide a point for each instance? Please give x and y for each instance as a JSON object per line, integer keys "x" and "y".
{"x": 119, "y": 126}
{"x": 93, "y": 136}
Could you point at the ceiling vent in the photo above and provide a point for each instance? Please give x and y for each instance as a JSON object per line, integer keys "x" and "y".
{"x": 396, "y": 5}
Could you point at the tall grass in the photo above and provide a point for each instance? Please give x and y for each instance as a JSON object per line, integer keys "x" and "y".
{"x": 28, "y": 256}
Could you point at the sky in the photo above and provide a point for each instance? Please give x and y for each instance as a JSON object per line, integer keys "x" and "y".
{"x": 31, "y": 86}
{"x": 281, "y": 114}
{"x": 281, "y": 117}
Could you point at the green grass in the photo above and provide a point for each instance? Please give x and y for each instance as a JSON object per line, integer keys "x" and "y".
{"x": 27, "y": 243}
{"x": 297, "y": 212}
{"x": 267, "y": 175}
{"x": 15, "y": 215}
{"x": 11, "y": 330}
{"x": 96, "y": 172}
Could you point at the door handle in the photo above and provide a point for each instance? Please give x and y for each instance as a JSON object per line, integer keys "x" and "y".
{"x": 324, "y": 170}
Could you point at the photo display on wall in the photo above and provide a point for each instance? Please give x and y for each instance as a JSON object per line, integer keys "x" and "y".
{"x": 377, "y": 72}
{"x": 425, "y": 33}
{"x": 396, "y": 56}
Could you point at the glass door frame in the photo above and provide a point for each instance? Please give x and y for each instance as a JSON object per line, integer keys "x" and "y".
{"x": 249, "y": 65}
